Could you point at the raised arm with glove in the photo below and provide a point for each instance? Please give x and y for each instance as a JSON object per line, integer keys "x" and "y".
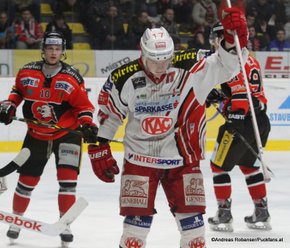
{"x": 233, "y": 19}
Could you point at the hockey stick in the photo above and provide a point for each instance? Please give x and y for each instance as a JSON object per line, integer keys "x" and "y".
{"x": 16, "y": 163}
{"x": 265, "y": 169}
{"x": 49, "y": 125}
{"x": 43, "y": 227}
{"x": 247, "y": 144}
{"x": 24, "y": 154}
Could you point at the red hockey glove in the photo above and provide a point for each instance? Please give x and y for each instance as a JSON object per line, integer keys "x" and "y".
{"x": 7, "y": 111}
{"x": 90, "y": 132}
{"x": 234, "y": 19}
{"x": 235, "y": 121}
{"x": 104, "y": 165}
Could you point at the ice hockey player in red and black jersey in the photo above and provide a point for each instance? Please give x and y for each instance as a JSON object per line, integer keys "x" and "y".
{"x": 230, "y": 150}
{"x": 165, "y": 133}
{"x": 53, "y": 93}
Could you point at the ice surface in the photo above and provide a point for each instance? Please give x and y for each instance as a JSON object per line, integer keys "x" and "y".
{"x": 100, "y": 225}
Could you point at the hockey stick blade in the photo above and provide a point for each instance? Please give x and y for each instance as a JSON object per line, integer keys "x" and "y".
{"x": 74, "y": 211}
{"x": 42, "y": 227}
{"x": 17, "y": 162}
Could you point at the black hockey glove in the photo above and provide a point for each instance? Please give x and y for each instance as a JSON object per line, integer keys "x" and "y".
{"x": 90, "y": 132}
{"x": 235, "y": 122}
{"x": 215, "y": 96}
{"x": 7, "y": 111}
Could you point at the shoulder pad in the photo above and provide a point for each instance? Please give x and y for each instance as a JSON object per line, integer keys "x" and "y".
{"x": 184, "y": 59}
{"x": 36, "y": 65}
{"x": 122, "y": 73}
{"x": 70, "y": 70}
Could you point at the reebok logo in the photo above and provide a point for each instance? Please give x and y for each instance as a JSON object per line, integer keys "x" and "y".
{"x": 16, "y": 220}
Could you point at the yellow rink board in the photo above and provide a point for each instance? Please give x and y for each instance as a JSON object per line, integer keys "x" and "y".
{"x": 82, "y": 60}
{"x": 273, "y": 145}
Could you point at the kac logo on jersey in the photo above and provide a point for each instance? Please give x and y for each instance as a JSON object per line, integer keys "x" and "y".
{"x": 156, "y": 125}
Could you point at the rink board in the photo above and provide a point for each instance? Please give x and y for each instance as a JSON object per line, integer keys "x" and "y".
{"x": 277, "y": 91}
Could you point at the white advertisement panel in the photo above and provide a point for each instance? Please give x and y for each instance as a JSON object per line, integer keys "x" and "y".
{"x": 6, "y": 64}
{"x": 107, "y": 61}
{"x": 277, "y": 91}
{"x": 274, "y": 64}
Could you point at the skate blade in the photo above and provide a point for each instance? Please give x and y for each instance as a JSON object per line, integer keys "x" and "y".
{"x": 222, "y": 227}
{"x": 260, "y": 226}
{"x": 65, "y": 244}
{"x": 12, "y": 241}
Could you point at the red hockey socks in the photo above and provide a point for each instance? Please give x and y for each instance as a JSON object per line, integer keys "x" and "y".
{"x": 67, "y": 179}
{"x": 222, "y": 183}
{"x": 255, "y": 182}
{"x": 25, "y": 186}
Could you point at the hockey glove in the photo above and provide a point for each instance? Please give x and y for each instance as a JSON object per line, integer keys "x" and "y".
{"x": 234, "y": 19}
{"x": 7, "y": 111}
{"x": 90, "y": 132}
{"x": 104, "y": 165}
{"x": 215, "y": 96}
{"x": 235, "y": 122}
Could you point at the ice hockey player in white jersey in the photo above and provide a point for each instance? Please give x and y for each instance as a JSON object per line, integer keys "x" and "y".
{"x": 165, "y": 133}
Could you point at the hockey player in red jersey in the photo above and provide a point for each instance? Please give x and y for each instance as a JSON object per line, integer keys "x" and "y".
{"x": 54, "y": 93}
{"x": 230, "y": 150}
{"x": 165, "y": 132}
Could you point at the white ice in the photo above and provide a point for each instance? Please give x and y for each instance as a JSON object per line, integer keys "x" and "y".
{"x": 100, "y": 225}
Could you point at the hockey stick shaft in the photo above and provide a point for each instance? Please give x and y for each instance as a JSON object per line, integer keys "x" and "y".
{"x": 243, "y": 139}
{"x": 254, "y": 120}
{"x": 42, "y": 227}
{"x": 49, "y": 125}
{"x": 40, "y": 123}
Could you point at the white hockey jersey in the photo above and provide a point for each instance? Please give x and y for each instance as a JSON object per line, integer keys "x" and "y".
{"x": 166, "y": 121}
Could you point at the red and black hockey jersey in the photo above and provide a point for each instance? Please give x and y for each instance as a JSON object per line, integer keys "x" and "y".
{"x": 61, "y": 99}
{"x": 236, "y": 93}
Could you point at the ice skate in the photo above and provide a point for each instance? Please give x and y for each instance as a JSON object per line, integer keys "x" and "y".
{"x": 260, "y": 219}
{"x": 13, "y": 233}
{"x": 66, "y": 237}
{"x": 222, "y": 221}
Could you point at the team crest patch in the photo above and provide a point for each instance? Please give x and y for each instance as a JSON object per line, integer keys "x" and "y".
{"x": 139, "y": 82}
{"x": 134, "y": 191}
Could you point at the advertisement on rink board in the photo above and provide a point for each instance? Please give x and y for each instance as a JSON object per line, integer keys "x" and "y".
{"x": 277, "y": 91}
{"x": 274, "y": 64}
{"x": 100, "y": 63}
{"x": 275, "y": 67}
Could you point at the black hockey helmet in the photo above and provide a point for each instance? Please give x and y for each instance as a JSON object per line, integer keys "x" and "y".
{"x": 53, "y": 38}
{"x": 217, "y": 31}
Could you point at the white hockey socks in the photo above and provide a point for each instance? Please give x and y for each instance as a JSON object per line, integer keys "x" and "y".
{"x": 135, "y": 231}
{"x": 192, "y": 230}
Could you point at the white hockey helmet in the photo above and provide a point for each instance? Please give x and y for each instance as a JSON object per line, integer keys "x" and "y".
{"x": 156, "y": 44}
